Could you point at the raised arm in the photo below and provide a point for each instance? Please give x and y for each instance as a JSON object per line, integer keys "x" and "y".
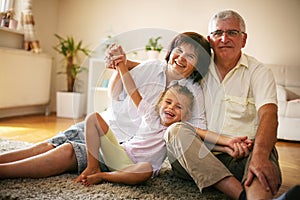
{"x": 115, "y": 85}
{"x": 114, "y": 56}
{"x": 129, "y": 84}
{"x": 127, "y": 79}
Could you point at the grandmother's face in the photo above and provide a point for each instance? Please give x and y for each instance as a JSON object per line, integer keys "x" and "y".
{"x": 183, "y": 60}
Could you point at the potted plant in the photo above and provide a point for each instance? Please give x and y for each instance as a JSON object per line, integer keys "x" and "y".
{"x": 70, "y": 50}
{"x": 153, "y": 48}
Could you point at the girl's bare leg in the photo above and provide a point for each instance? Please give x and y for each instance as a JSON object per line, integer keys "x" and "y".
{"x": 130, "y": 175}
{"x": 25, "y": 153}
{"x": 53, "y": 162}
{"x": 95, "y": 128}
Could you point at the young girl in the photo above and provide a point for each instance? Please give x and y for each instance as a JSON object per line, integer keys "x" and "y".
{"x": 141, "y": 157}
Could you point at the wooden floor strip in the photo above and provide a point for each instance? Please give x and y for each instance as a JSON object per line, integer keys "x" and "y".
{"x": 37, "y": 128}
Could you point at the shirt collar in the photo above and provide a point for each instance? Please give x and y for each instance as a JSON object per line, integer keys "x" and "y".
{"x": 243, "y": 62}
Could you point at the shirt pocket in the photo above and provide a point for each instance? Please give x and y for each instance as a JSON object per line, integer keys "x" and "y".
{"x": 240, "y": 116}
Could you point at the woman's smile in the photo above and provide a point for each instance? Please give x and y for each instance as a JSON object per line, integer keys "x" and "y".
{"x": 177, "y": 63}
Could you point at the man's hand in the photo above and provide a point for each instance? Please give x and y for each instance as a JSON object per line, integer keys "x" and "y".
{"x": 247, "y": 143}
{"x": 265, "y": 172}
{"x": 260, "y": 166}
{"x": 238, "y": 151}
{"x": 239, "y": 147}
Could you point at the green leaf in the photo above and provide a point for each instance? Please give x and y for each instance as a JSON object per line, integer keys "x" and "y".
{"x": 153, "y": 44}
{"x": 69, "y": 49}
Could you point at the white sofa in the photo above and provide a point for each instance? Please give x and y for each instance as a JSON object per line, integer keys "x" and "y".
{"x": 288, "y": 92}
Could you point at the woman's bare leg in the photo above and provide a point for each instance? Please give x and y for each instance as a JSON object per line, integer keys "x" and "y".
{"x": 131, "y": 175}
{"x": 53, "y": 162}
{"x": 96, "y": 127}
{"x": 20, "y": 154}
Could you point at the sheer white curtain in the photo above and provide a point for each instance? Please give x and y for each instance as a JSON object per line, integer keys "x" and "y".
{"x": 5, "y": 5}
{"x": 31, "y": 42}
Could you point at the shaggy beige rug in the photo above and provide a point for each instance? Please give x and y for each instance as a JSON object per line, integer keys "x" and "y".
{"x": 165, "y": 186}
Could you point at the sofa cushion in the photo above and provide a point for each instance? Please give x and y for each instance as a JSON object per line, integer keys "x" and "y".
{"x": 278, "y": 72}
{"x": 293, "y": 109}
{"x": 281, "y": 93}
{"x": 282, "y": 108}
{"x": 288, "y": 77}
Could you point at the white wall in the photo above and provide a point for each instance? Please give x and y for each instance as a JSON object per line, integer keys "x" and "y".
{"x": 273, "y": 26}
{"x": 46, "y": 23}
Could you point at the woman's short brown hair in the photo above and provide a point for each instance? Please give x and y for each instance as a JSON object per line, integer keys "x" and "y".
{"x": 202, "y": 49}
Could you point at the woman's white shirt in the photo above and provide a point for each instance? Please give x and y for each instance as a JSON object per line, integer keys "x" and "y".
{"x": 150, "y": 79}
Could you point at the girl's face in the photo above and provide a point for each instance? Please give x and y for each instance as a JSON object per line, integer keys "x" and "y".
{"x": 182, "y": 62}
{"x": 173, "y": 108}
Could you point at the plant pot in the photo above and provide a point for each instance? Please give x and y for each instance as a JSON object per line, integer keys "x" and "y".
{"x": 70, "y": 104}
{"x": 153, "y": 54}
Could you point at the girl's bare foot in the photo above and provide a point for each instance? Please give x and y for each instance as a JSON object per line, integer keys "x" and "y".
{"x": 78, "y": 179}
{"x": 92, "y": 179}
{"x": 85, "y": 173}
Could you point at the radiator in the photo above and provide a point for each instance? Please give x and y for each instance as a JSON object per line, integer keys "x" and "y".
{"x": 25, "y": 80}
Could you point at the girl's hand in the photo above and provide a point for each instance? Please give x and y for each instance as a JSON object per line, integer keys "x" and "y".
{"x": 244, "y": 141}
{"x": 114, "y": 55}
{"x": 230, "y": 152}
{"x": 239, "y": 147}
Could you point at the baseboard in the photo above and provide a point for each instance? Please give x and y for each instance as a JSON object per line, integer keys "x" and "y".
{"x": 22, "y": 111}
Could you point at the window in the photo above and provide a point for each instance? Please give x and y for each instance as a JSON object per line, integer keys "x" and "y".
{"x": 5, "y": 5}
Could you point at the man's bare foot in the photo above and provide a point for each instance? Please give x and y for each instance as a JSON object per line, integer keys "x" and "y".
{"x": 92, "y": 179}
{"x": 85, "y": 173}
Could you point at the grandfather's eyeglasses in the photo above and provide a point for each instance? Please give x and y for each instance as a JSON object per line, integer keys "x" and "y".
{"x": 230, "y": 33}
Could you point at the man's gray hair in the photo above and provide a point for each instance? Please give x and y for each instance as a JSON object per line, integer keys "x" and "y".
{"x": 226, "y": 14}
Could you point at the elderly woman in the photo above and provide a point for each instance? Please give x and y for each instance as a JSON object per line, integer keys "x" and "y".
{"x": 186, "y": 63}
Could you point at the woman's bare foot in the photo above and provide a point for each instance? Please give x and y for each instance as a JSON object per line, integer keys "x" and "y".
{"x": 92, "y": 179}
{"x": 85, "y": 173}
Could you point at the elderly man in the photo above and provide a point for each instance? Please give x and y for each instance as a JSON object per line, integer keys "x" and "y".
{"x": 240, "y": 100}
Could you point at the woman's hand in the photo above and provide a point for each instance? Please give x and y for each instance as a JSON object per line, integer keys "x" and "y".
{"x": 114, "y": 55}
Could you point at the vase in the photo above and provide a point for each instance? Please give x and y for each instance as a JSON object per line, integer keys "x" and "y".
{"x": 153, "y": 54}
